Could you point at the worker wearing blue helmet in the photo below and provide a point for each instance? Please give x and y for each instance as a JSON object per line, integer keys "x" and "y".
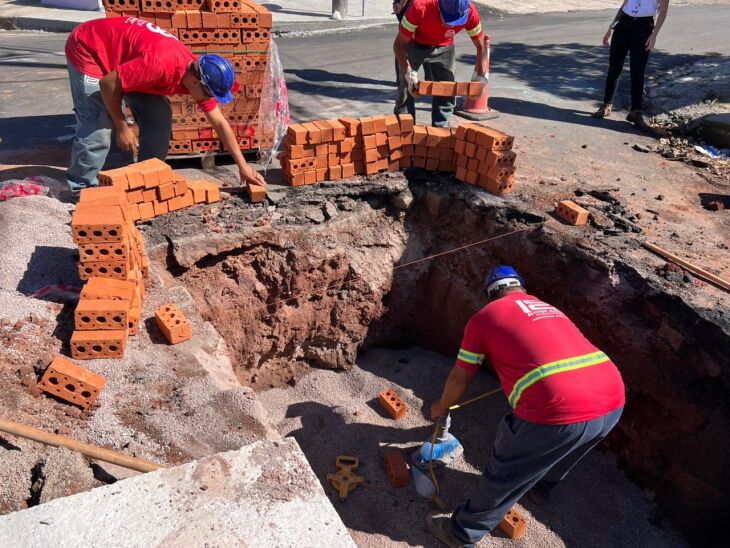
{"x": 130, "y": 59}
{"x": 426, "y": 37}
{"x": 565, "y": 397}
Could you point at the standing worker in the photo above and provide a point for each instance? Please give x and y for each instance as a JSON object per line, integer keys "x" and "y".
{"x": 126, "y": 57}
{"x": 565, "y": 394}
{"x": 634, "y": 33}
{"x": 426, "y": 37}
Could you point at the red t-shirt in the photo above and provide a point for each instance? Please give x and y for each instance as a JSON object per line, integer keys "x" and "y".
{"x": 422, "y": 22}
{"x": 147, "y": 58}
{"x": 518, "y": 333}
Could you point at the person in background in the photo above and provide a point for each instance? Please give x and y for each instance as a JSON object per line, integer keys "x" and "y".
{"x": 426, "y": 37}
{"x": 132, "y": 59}
{"x": 632, "y": 32}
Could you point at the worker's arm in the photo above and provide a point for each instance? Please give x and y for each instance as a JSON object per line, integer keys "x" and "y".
{"x": 225, "y": 133}
{"x": 111, "y": 93}
{"x": 663, "y": 9}
{"x": 480, "y": 67}
{"x": 607, "y": 36}
{"x": 401, "y": 57}
{"x": 456, "y": 386}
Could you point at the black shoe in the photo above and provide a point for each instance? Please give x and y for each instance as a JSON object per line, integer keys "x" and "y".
{"x": 636, "y": 117}
{"x": 439, "y": 524}
{"x": 603, "y": 112}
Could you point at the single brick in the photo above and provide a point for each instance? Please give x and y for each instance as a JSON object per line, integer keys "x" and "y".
{"x": 179, "y": 20}
{"x": 338, "y": 130}
{"x": 432, "y": 164}
{"x": 396, "y": 154}
{"x": 406, "y": 138}
{"x": 443, "y": 89}
{"x": 369, "y": 142}
{"x": 470, "y": 150}
{"x": 405, "y": 162}
{"x": 381, "y": 139}
{"x": 165, "y": 192}
{"x": 71, "y": 382}
{"x": 407, "y": 149}
{"x": 160, "y": 208}
{"x": 504, "y": 158}
{"x": 348, "y": 170}
{"x": 392, "y": 125}
{"x": 212, "y": 193}
{"x": 406, "y": 123}
{"x": 476, "y": 89}
{"x": 498, "y": 187}
{"x": 310, "y": 177}
{"x": 419, "y": 161}
{"x": 173, "y": 324}
{"x": 482, "y": 154}
{"x": 135, "y": 196}
{"x": 461, "y": 173}
{"x": 320, "y": 162}
{"x": 335, "y": 173}
{"x": 352, "y": 126}
{"x": 114, "y": 177}
{"x": 149, "y": 195}
{"x": 393, "y": 404}
{"x": 471, "y": 177}
{"x": 396, "y": 468}
{"x": 94, "y": 314}
{"x": 322, "y": 173}
{"x": 135, "y": 316}
{"x": 462, "y": 161}
{"x": 105, "y": 251}
{"x": 420, "y": 135}
{"x": 188, "y": 200}
{"x": 462, "y": 88}
{"x": 314, "y": 134}
{"x": 199, "y": 190}
{"x": 146, "y": 211}
{"x": 493, "y": 139}
{"x": 425, "y": 87}
{"x": 572, "y": 213}
{"x": 297, "y": 134}
{"x": 98, "y": 224}
{"x": 380, "y": 125}
{"x": 514, "y": 524}
{"x": 90, "y": 345}
{"x": 367, "y": 126}
{"x": 325, "y": 129}
{"x": 394, "y": 142}
{"x": 209, "y": 19}
{"x": 106, "y": 269}
{"x": 181, "y": 187}
{"x": 256, "y": 193}
{"x": 107, "y": 288}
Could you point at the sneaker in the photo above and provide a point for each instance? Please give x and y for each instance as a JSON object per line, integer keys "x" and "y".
{"x": 636, "y": 117}
{"x": 603, "y": 111}
{"x": 440, "y": 526}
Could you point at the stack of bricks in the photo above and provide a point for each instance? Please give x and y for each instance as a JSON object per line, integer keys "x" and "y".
{"x": 152, "y": 188}
{"x": 112, "y": 259}
{"x": 450, "y": 89}
{"x": 239, "y": 30}
{"x": 484, "y": 157}
{"x": 318, "y": 151}
{"x": 433, "y": 148}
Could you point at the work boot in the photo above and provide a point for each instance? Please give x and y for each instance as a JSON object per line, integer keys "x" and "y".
{"x": 603, "y": 111}
{"x": 439, "y": 524}
{"x": 636, "y": 117}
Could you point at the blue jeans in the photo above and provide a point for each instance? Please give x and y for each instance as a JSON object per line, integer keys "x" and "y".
{"x": 94, "y": 127}
{"x": 524, "y": 454}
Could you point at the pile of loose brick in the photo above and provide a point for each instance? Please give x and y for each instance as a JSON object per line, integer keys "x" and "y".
{"x": 239, "y": 30}
{"x": 152, "y": 188}
{"x": 328, "y": 150}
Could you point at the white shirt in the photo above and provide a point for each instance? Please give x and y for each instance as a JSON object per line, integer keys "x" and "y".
{"x": 641, "y": 8}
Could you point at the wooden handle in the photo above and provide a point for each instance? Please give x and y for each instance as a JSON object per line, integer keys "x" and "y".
{"x": 696, "y": 270}
{"x": 107, "y": 455}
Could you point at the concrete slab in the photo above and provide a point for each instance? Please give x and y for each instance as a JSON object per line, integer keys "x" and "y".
{"x": 264, "y": 494}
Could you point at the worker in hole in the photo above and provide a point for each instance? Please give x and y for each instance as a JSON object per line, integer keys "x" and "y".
{"x": 132, "y": 59}
{"x": 565, "y": 395}
{"x": 426, "y": 37}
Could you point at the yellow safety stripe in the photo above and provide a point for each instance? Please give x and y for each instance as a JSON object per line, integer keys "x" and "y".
{"x": 410, "y": 27}
{"x": 475, "y": 31}
{"x": 552, "y": 368}
{"x": 470, "y": 357}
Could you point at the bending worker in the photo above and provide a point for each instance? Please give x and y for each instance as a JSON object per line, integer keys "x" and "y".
{"x": 426, "y": 37}
{"x": 126, "y": 57}
{"x": 565, "y": 394}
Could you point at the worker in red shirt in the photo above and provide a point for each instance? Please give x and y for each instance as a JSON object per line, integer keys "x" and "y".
{"x": 565, "y": 394}
{"x": 135, "y": 60}
{"x": 426, "y": 37}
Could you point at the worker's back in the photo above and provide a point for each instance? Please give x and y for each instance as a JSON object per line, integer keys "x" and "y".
{"x": 550, "y": 372}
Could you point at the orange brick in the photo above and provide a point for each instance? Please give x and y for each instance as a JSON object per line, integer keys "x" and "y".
{"x": 210, "y": 19}
{"x": 146, "y": 211}
{"x": 106, "y": 269}
{"x": 106, "y": 288}
{"x": 71, "y": 382}
{"x": 335, "y": 172}
{"x": 300, "y": 151}
{"x": 392, "y": 125}
{"x": 114, "y": 177}
{"x": 135, "y": 316}
{"x": 348, "y": 170}
{"x": 314, "y": 134}
{"x": 572, "y": 213}
{"x": 514, "y": 524}
{"x": 476, "y": 89}
{"x": 493, "y": 139}
{"x": 380, "y": 125}
{"x": 91, "y": 345}
{"x": 396, "y": 468}
{"x": 165, "y": 191}
{"x": 432, "y": 164}
{"x": 369, "y": 142}
{"x": 500, "y": 173}
{"x": 367, "y": 126}
{"x": 223, "y": 20}
{"x": 149, "y": 195}
{"x": 181, "y": 187}
{"x": 96, "y": 314}
{"x": 462, "y": 88}
{"x": 103, "y": 224}
{"x": 338, "y": 130}
{"x": 320, "y": 162}
{"x": 179, "y": 20}
{"x": 420, "y": 135}
{"x": 461, "y": 173}
{"x": 297, "y": 134}
{"x": 405, "y": 162}
{"x": 322, "y": 174}
{"x": 347, "y": 145}
{"x": 104, "y": 251}
{"x": 393, "y": 404}
{"x": 394, "y": 142}
{"x": 443, "y": 89}
{"x": 406, "y": 123}
{"x": 256, "y": 193}
{"x": 160, "y": 208}
{"x": 296, "y": 179}
{"x": 505, "y": 158}
{"x": 199, "y": 190}
{"x": 173, "y": 324}
{"x": 471, "y": 177}
{"x": 352, "y": 126}
{"x": 325, "y": 129}
{"x": 212, "y": 193}
{"x": 425, "y": 87}
{"x": 498, "y": 187}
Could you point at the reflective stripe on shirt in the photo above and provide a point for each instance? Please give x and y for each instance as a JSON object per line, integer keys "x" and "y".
{"x": 470, "y": 357}
{"x": 559, "y": 366}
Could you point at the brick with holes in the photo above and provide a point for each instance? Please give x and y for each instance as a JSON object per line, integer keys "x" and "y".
{"x": 572, "y": 213}
{"x": 173, "y": 324}
{"x": 393, "y": 404}
{"x": 96, "y": 314}
{"x": 100, "y": 344}
{"x": 72, "y": 383}
{"x": 514, "y": 524}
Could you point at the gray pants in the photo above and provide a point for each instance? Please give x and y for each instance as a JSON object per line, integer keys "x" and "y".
{"x": 94, "y": 128}
{"x": 438, "y": 65}
{"x": 524, "y": 454}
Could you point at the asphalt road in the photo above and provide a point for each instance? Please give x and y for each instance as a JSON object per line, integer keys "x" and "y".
{"x": 543, "y": 66}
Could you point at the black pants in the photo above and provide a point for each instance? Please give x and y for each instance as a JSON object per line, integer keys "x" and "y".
{"x": 629, "y": 36}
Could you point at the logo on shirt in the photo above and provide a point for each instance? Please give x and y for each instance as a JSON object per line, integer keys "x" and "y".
{"x": 450, "y": 33}
{"x": 538, "y": 310}
{"x": 149, "y": 26}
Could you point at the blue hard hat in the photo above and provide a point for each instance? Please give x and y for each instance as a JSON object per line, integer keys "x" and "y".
{"x": 217, "y": 75}
{"x": 501, "y": 277}
{"x": 454, "y": 12}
